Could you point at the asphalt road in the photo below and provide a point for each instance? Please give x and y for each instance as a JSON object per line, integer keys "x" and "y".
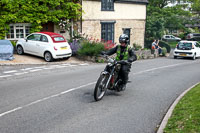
{"x": 60, "y": 100}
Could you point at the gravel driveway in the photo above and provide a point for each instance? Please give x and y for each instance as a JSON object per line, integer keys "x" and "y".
{"x": 30, "y": 59}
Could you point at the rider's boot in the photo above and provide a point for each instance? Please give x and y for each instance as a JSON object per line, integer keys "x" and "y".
{"x": 123, "y": 87}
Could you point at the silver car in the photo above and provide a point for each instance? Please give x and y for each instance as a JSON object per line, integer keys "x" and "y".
{"x": 171, "y": 38}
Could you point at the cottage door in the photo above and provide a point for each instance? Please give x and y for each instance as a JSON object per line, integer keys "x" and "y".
{"x": 48, "y": 27}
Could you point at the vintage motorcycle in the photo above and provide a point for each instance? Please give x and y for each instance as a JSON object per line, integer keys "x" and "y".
{"x": 109, "y": 78}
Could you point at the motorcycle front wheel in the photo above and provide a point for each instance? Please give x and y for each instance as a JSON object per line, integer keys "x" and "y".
{"x": 100, "y": 88}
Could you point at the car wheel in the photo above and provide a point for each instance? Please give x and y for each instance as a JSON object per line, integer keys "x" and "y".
{"x": 175, "y": 57}
{"x": 194, "y": 57}
{"x": 20, "y": 50}
{"x": 48, "y": 57}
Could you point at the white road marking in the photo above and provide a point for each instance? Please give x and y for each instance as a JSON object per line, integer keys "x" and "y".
{"x": 161, "y": 68}
{"x": 10, "y": 111}
{"x": 84, "y": 64}
{"x": 39, "y": 67}
{"x": 48, "y": 68}
{"x": 21, "y": 73}
{"x": 61, "y": 66}
{"x": 13, "y": 71}
{"x": 44, "y": 99}
{"x": 35, "y": 70}
{"x": 4, "y": 76}
{"x": 72, "y": 65}
{"x": 66, "y": 64}
{"x": 27, "y": 69}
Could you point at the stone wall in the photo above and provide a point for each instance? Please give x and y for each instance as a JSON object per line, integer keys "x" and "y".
{"x": 141, "y": 54}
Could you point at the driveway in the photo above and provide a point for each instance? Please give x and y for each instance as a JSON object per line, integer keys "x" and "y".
{"x": 30, "y": 59}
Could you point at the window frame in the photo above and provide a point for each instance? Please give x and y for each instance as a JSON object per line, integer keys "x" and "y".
{"x": 112, "y": 32}
{"x": 105, "y": 5}
{"x": 129, "y": 33}
{"x": 18, "y": 26}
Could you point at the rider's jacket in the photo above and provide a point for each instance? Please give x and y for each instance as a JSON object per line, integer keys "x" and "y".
{"x": 123, "y": 53}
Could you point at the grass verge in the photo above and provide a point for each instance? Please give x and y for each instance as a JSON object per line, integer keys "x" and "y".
{"x": 186, "y": 115}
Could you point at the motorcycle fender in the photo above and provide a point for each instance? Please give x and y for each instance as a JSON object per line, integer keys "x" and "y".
{"x": 104, "y": 73}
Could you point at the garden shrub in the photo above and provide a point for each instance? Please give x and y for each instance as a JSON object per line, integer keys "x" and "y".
{"x": 108, "y": 45}
{"x": 13, "y": 43}
{"x": 90, "y": 48}
{"x": 164, "y": 51}
{"x": 75, "y": 46}
{"x": 137, "y": 47}
{"x": 166, "y": 45}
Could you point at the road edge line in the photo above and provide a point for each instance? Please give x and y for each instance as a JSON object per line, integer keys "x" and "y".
{"x": 170, "y": 110}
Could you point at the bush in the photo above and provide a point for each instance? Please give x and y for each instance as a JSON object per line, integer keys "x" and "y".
{"x": 164, "y": 51}
{"x": 13, "y": 43}
{"x": 90, "y": 48}
{"x": 108, "y": 45}
{"x": 75, "y": 46}
{"x": 136, "y": 46}
{"x": 166, "y": 45}
{"x": 182, "y": 36}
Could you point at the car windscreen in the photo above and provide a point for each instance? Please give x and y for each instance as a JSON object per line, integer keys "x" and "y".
{"x": 6, "y": 50}
{"x": 185, "y": 45}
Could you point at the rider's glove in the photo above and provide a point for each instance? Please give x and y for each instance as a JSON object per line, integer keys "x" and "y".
{"x": 123, "y": 62}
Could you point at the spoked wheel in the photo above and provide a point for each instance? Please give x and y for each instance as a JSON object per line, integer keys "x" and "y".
{"x": 100, "y": 88}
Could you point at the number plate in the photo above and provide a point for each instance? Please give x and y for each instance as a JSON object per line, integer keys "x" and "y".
{"x": 182, "y": 54}
{"x": 63, "y": 48}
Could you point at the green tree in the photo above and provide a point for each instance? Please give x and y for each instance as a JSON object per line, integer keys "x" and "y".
{"x": 36, "y": 12}
{"x": 195, "y": 6}
{"x": 160, "y": 18}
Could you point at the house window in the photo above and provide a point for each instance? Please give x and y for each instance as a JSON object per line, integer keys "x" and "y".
{"x": 107, "y": 5}
{"x": 127, "y": 31}
{"x": 107, "y": 31}
{"x": 18, "y": 31}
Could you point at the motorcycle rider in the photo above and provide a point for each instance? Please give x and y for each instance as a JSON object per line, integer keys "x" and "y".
{"x": 126, "y": 56}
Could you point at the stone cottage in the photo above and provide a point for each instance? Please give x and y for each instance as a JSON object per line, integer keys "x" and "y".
{"x": 108, "y": 19}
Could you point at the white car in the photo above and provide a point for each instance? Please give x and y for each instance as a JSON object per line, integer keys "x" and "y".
{"x": 187, "y": 49}
{"x": 171, "y": 38}
{"x": 45, "y": 44}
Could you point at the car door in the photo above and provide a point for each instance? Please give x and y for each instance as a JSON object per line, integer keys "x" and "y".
{"x": 30, "y": 45}
{"x": 198, "y": 49}
{"x": 42, "y": 45}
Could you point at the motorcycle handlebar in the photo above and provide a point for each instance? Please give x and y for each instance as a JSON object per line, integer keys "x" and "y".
{"x": 117, "y": 62}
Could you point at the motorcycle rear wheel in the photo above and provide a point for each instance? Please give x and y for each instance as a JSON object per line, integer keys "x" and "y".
{"x": 100, "y": 88}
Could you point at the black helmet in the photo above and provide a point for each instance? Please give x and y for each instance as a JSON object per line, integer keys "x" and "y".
{"x": 123, "y": 38}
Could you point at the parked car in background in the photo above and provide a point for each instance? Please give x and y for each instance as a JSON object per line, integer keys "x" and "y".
{"x": 187, "y": 49}
{"x": 193, "y": 36}
{"x": 6, "y": 50}
{"x": 45, "y": 44}
{"x": 171, "y": 38}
